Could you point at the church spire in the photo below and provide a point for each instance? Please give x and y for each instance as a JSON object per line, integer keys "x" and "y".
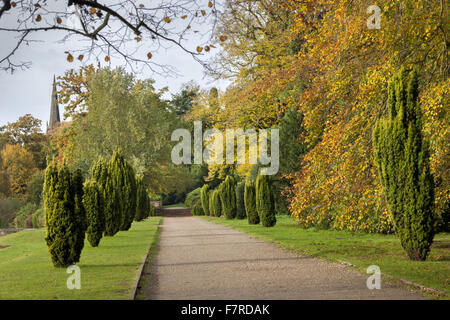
{"x": 54, "y": 108}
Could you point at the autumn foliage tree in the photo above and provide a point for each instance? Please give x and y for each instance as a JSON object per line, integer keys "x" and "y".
{"x": 402, "y": 158}
{"x": 18, "y": 166}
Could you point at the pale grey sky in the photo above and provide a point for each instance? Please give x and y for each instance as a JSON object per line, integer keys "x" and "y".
{"x": 29, "y": 91}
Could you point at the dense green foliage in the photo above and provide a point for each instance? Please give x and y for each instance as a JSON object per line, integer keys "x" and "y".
{"x": 143, "y": 207}
{"x": 240, "y": 203}
{"x": 197, "y": 209}
{"x": 38, "y": 218}
{"x": 24, "y": 215}
{"x": 192, "y": 197}
{"x": 250, "y": 202}
{"x": 264, "y": 201}
{"x": 292, "y": 146}
{"x": 228, "y": 197}
{"x": 204, "y": 198}
{"x": 402, "y": 158}
{"x": 93, "y": 203}
{"x": 8, "y": 209}
{"x": 34, "y": 188}
{"x": 64, "y": 225}
{"x": 78, "y": 192}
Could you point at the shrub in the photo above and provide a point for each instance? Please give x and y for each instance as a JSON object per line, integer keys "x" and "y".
{"x": 204, "y": 197}
{"x": 228, "y": 197}
{"x": 402, "y": 158}
{"x": 250, "y": 202}
{"x": 8, "y": 209}
{"x": 38, "y": 218}
{"x": 197, "y": 209}
{"x": 143, "y": 207}
{"x": 94, "y": 204}
{"x": 192, "y": 197}
{"x": 264, "y": 201}
{"x": 24, "y": 216}
{"x": 152, "y": 212}
{"x": 64, "y": 229}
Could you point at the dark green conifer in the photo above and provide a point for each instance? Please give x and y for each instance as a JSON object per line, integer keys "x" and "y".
{"x": 264, "y": 201}
{"x": 250, "y": 202}
{"x": 402, "y": 158}
{"x": 94, "y": 204}
{"x": 204, "y": 198}
{"x": 228, "y": 197}
{"x": 64, "y": 225}
{"x": 240, "y": 204}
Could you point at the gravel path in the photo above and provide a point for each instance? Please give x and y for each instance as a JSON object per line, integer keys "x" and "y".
{"x": 201, "y": 260}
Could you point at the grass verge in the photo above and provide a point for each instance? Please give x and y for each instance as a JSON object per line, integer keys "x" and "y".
{"x": 146, "y": 278}
{"x": 107, "y": 272}
{"x": 361, "y": 250}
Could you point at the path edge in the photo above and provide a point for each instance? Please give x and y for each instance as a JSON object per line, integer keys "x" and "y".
{"x": 142, "y": 265}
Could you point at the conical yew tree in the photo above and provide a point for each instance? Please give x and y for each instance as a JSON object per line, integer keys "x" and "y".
{"x": 129, "y": 192}
{"x": 143, "y": 208}
{"x": 63, "y": 220}
{"x": 402, "y": 158}
{"x": 103, "y": 175}
{"x": 250, "y": 202}
{"x": 264, "y": 201}
{"x": 204, "y": 198}
{"x": 240, "y": 204}
{"x": 94, "y": 204}
{"x": 228, "y": 197}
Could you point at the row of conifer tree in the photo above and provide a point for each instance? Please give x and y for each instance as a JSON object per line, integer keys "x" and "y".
{"x": 250, "y": 199}
{"x": 106, "y": 203}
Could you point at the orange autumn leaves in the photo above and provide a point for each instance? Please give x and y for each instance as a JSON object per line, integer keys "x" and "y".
{"x": 347, "y": 67}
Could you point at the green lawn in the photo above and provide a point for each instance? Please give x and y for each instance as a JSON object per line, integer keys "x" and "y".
{"x": 361, "y": 250}
{"x": 107, "y": 272}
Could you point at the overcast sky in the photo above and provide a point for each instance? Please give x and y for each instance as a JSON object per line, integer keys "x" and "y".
{"x": 29, "y": 91}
